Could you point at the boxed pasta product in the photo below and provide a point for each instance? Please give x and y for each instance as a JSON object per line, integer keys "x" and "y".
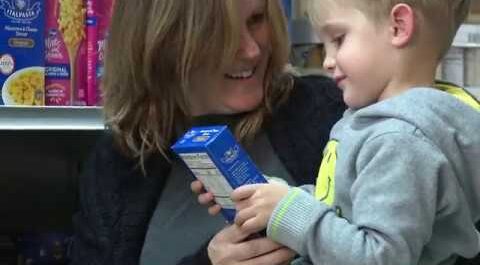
{"x": 99, "y": 13}
{"x": 65, "y": 52}
{"x": 22, "y": 52}
{"x": 92, "y": 51}
{"x": 214, "y": 157}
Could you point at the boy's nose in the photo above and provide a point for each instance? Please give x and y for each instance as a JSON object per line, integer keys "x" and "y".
{"x": 329, "y": 63}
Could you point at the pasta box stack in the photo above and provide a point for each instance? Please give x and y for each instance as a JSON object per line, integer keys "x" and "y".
{"x": 75, "y": 35}
{"x": 22, "y": 52}
{"x": 51, "y": 51}
{"x": 98, "y": 21}
{"x": 65, "y": 52}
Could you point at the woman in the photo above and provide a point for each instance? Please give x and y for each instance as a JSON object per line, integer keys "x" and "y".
{"x": 172, "y": 64}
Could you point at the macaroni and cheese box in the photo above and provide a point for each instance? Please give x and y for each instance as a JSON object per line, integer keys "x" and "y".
{"x": 22, "y": 52}
{"x": 65, "y": 53}
{"x": 215, "y": 158}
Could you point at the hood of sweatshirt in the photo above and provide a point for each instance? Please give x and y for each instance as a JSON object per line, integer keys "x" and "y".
{"x": 451, "y": 120}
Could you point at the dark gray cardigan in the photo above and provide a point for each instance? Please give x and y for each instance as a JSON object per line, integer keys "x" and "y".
{"x": 117, "y": 201}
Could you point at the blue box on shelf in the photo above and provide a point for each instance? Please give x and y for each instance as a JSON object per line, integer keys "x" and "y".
{"x": 22, "y": 52}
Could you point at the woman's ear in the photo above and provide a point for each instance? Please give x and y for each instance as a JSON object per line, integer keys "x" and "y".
{"x": 402, "y": 25}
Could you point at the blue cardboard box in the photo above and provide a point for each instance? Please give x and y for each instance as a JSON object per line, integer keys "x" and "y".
{"x": 22, "y": 52}
{"x": 215, "y": 158}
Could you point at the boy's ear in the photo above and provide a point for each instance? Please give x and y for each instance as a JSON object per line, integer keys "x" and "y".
{"x": 402, "y": 25}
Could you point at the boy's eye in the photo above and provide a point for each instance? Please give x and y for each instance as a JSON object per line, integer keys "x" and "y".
{"x": 338, "y": 40}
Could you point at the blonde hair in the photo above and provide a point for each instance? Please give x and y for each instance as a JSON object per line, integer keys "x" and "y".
{"x": 153, "y": 49}
{"x": 442, "y": 17}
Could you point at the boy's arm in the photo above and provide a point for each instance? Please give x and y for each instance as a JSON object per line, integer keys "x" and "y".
{"x": 394, "y": 200}
{"x": 310, "y": 189}
{"x": 255, "y": 203}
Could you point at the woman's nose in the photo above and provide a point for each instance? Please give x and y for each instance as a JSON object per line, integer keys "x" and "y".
{"x": 249, "y": 47}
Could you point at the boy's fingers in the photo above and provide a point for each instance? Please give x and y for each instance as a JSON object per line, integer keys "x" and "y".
{"x": 244, "y": 215}
{"x": 196, "y": 186}
{"x": 240, "y": 205}
{"x": 244, "y": 192}
{"x": 252, "y": 226}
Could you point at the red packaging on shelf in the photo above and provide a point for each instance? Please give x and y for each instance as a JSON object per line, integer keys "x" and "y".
{"x": 65, "y": 54}
{"x": 99, "y": 14}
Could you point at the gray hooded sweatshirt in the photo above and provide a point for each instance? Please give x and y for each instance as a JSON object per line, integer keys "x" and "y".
{"x": 400, "y": 184}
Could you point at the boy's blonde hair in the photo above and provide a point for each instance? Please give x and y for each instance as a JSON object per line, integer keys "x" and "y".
{"x": 154, "y": 48}
{"x": 441, "y": 17}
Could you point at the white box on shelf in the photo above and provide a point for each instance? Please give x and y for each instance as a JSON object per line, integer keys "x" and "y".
{"x": 453, "y": 66}
{"x": 472, "y": 67}
{"x": 468, "y": 35}
{"x": 475, "y": 91}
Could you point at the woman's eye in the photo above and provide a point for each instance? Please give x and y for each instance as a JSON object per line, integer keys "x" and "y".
{"x": 256, "y": 19}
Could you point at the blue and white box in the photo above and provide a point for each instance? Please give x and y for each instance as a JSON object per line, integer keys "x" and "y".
{"x": 215, "y": 158}
{"x": 22, "y": 52}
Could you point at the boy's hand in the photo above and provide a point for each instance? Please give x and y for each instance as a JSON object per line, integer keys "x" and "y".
{"x": 205, "y": 198}
{"x": 255, "y": 204}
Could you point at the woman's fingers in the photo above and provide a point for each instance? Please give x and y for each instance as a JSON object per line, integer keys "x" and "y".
{"x": 197, "y": 187}
{"x": 228, "y": 247}
{"x": 214, "y": 209}
{"x": 206, "y": 198}
{"x": 279, "y": 256}
{"x": 256, "y": 247}
{"x": 230, "y": 234}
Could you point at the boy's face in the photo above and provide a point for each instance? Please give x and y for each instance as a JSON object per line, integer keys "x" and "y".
{"x": 358, "y": 53}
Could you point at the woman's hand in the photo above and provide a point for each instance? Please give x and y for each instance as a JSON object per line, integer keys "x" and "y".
{"x": 229, "y": 248}
{"x": 205, "y": 198}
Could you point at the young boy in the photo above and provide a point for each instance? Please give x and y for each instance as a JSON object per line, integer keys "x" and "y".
{"x": 400, "y": 179}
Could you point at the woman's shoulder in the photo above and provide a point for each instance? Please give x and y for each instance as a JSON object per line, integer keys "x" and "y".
{"x": 317, "y": 88}
{"x": 107, "y": 151}
{"x": 299, "y": 128}
{"x": 312, "y": 97}
{"x": 108, "y": 161}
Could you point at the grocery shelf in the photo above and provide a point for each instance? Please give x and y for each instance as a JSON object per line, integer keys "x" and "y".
{"x": 69, "y": 118}
{"x": 475, "y": 91}
{"x": 466, "y": 45}
{"x": 468, "y": 36}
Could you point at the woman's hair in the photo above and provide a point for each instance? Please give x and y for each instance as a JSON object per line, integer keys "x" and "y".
{"x": 153, "y": 49}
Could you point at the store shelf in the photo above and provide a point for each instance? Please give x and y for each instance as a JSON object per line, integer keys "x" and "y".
{"x": 466, "y": 45}
{"x": 51, "y": 118}
{"x": 475, "y": 91}
{"x": 468, "y": 36}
